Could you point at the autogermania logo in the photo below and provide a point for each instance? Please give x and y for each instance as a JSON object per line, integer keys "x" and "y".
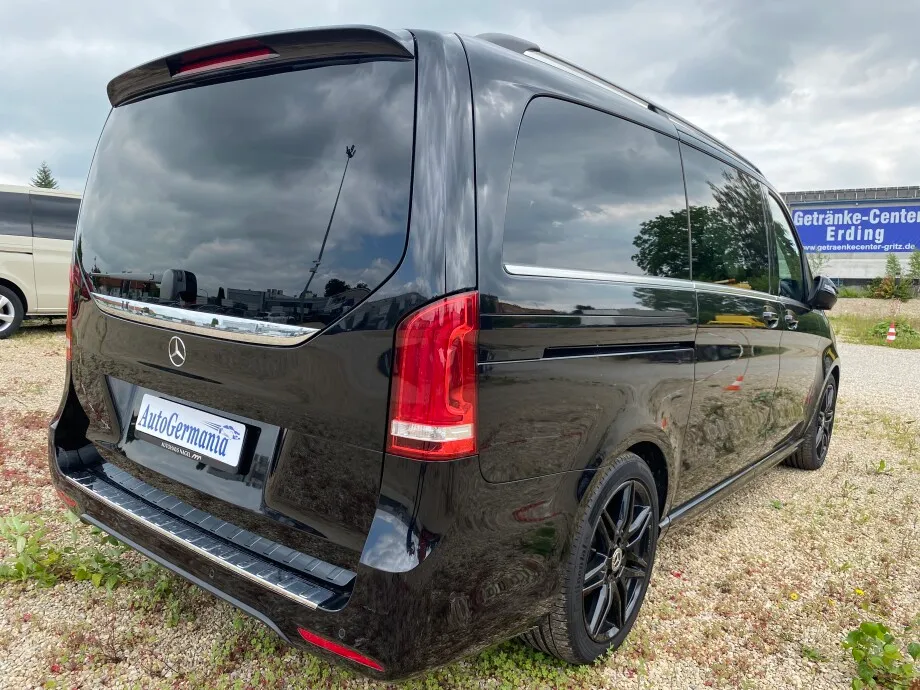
{"x": 213, "y": 439}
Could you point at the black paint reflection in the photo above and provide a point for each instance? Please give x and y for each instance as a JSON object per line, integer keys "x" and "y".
{"x": 282, "y": 199}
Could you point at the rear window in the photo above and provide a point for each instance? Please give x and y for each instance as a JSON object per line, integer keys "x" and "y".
{"x": 591, "y": 191}
{"x": 282, "y": 199}
{"x": 54, "y": 217}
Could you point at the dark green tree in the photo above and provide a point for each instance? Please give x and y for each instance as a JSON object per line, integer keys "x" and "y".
{"x": 662, "y": 245}
{"x": 220, "y": 294}
{"x": 43, "y": 178}
{"x": 335, "y": 286}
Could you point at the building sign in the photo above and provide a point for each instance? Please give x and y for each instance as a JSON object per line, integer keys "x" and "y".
{"x": 859, "y": 228}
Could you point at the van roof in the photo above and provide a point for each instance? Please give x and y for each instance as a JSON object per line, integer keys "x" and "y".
{"x": 530, "y": 49}
{"x": 22, "y": 189}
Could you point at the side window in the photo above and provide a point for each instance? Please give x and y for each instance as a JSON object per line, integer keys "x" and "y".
{"x": 727, "y": 227}
{"x": 788, "y": 261}
{"x": 14, "y": 214}
{"x": 594, "y": 192}
{"x": 54, "y": 217}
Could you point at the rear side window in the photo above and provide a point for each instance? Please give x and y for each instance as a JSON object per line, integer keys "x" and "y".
{"x": 54, "y": 217}
{"x": 14, "y": 214}
{"x": 788, "y": 259}
{"x": 591, "y": 191}
{"x": 727, "y": 224}
{"x": 281, "y": 199}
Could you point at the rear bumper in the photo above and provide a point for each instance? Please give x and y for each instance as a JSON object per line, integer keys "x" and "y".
{"x": 452, "y": 564}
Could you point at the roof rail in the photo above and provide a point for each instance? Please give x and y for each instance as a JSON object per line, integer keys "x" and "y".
{"x": 531, "y": 49}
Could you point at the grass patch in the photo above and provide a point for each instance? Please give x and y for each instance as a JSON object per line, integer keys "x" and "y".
{"x": 871, "y": 330}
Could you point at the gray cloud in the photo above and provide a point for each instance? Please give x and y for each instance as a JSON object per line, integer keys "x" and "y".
{"x": 818, "y": 94}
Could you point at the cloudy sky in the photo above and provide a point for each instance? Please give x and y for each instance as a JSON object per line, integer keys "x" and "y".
{"x": 819, "y": 95}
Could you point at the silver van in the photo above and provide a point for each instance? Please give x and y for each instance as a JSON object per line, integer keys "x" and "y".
{"x": 36, "y": 242}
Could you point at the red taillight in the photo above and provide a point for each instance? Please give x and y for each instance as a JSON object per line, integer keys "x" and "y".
{"x": 338, "y": 649}
{"x": 240, "y": 57}
{"x": 433, "y": 391}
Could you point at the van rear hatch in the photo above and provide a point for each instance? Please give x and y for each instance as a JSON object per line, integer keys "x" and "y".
{"x": 244, "y": 202}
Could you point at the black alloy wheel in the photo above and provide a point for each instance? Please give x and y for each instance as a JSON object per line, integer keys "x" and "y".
{"x": 609, "y": 565}
{"x": 619, "y": 561}
{"x": 824, "y": 422}
{"x": 812, "y": 453}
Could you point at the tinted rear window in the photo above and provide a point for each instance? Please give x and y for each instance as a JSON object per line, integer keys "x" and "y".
{"x": 14, "y": 214}
{"x": 54, "y": 217}
{"x": 591, "y": 191}
{"x": 218, "y": 199}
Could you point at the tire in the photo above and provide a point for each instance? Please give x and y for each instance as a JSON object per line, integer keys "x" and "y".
{"x": 11, "y": 312}
{"x": 564, "y": 632}
{"x": 813, "y": 451}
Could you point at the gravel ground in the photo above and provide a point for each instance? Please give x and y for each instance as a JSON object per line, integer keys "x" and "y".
{"x": 756, "y": 593}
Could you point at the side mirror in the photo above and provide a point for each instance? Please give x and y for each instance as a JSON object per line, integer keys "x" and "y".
{"x": 823, "y": 294}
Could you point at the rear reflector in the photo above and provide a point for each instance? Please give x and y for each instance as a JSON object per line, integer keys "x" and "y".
{"x": 227, "y": 60}
{"x": 338, "y": 649}
{"x": 68, "y": 501}
{"x": 433, "y": 397}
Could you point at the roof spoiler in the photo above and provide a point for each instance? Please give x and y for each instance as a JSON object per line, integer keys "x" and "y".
{"x": 256, "y": 51}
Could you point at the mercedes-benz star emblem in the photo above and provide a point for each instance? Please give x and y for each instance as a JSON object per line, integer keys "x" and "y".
{"x": 176, "y": 351}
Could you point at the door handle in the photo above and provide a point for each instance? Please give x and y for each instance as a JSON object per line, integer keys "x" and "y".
{"x": 791, "y": 322}
{"x": 771, "y": 318}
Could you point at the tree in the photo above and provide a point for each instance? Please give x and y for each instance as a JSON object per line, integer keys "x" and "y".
{"x": 335, "y": 286}
{"x": 913, "y": 268}
{"x": 892, "y": 266}
{"x": 818, "y": 262}
{"x": 913, "y": 265}
{"x": 362, "y": 286}
{"x": 43, "y": 178}
{"x": 220, "y": 294}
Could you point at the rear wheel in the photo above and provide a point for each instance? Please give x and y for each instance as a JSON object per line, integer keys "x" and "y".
{"x": 609, "y": 566}
{"x": 11, "y": 312}
{"x": 813, "y": 451}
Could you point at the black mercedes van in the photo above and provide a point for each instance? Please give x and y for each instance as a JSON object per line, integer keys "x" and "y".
{"x": 407, "y": 343}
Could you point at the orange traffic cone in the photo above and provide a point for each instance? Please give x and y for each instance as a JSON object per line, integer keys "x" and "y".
{"x": 892, "y": 333}
{"x": 736, "y": 386}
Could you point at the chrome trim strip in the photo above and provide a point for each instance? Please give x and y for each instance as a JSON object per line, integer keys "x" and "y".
{"x": 278, "y": 589}
{"x": 650, "y": 281}
{"x": 577, "y": 274}
{"x": 198, "y": 322}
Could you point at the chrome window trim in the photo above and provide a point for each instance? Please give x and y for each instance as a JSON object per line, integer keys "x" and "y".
{"x": 649, "y": 281}
{"x": 229, "y": 327}
{"x": 601, "y": 276}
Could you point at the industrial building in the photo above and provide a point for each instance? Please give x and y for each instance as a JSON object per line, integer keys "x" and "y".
{"x": 855, "y": 229}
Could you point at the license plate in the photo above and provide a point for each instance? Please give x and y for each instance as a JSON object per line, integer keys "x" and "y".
{"x": 189, "y": 432}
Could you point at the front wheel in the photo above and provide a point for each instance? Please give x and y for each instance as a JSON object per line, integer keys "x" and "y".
{"x": 609, "y": 566}
{"x": 813, "y": 451}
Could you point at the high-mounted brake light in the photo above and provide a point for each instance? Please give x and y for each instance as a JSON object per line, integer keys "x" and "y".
{"x": 433, "y": 404}
{"x": 240, "y": 57}
{"x": 338, "y": 649}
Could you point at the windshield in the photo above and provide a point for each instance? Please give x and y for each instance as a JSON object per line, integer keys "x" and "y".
{"x": 267, "y": 204}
